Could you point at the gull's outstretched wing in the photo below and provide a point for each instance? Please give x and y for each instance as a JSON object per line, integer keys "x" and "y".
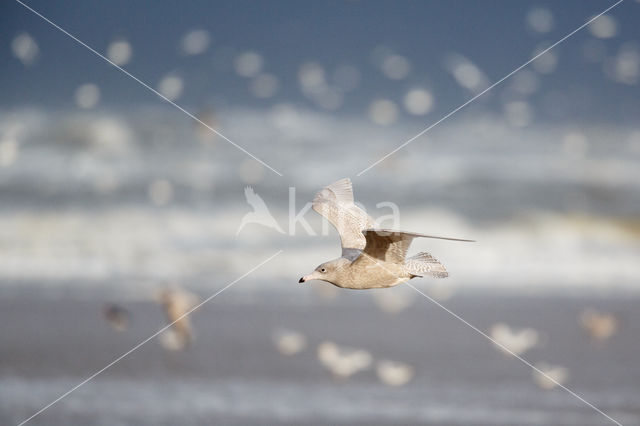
{"x": 335, "y": 203}
{"x": 392, "y": 246}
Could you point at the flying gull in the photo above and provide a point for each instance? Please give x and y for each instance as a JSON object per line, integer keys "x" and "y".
{"x": 371, "y": 258}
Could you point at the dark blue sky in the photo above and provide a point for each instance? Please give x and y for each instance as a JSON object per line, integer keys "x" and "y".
{"x": 492, "y": 34}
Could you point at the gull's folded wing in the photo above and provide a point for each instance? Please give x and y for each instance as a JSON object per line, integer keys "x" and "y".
{"x": 335, "y": 203}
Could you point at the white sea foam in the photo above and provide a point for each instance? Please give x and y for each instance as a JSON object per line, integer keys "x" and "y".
{"x": 550, "y": 207}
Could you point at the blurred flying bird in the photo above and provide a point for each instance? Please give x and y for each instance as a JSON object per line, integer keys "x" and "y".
{"x": 176, "y": 303}
{"x": 393, "y": 373}
{"x": 117, "y": 316}
{"x": 553, "y": 375}
{"x": 289, "y": 342}
{"x": 599, "y": 325}
{"x": 518, "y": 341}
{"x": 371, "y": 258}
{"x": 260, "y": 213}
{"x": 343, "y": 362}
{"x": 203, "y": 131}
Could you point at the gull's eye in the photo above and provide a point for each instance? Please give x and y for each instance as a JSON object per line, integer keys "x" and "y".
{"x": 323, "y": 270}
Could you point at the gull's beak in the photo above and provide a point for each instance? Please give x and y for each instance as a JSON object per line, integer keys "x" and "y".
{"x": 306, "y": 278}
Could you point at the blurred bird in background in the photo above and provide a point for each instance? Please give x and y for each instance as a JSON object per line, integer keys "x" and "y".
{"x": 600, "y": 326}
{"x": 289, "y": 342}
{"x": 176, "y": 302}
{"x": 553, "y": 376}
{"x": 343, "y": 362}
{"x": 117, "y": 316}
{"x": 393, "y": 373}
{"x": 517, "y": 341}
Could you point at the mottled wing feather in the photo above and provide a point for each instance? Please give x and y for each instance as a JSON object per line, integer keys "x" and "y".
{"x": 425, "y": 264}
{"x": 418, "y": 235}
{"x": 386, "y": 245}
{"x": 392, "y": 246}
{"x": 335, "y": 203}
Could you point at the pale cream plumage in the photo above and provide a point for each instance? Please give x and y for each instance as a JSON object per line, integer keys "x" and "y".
{"x": 371, "y": 258}
{"x": 336, "y": 204}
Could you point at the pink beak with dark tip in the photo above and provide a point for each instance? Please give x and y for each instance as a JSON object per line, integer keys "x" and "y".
{"x": 305, "y": 278}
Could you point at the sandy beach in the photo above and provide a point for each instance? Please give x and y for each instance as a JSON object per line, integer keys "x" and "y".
{"x": 233, "y": 373}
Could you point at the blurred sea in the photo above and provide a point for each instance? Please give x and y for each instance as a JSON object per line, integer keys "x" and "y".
{"x": 127, "y": 199}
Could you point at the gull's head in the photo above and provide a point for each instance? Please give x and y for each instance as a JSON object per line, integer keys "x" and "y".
{"x": 327, "y": 271}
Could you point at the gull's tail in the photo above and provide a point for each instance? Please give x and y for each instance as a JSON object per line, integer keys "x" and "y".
{"x": 424, "y": 264}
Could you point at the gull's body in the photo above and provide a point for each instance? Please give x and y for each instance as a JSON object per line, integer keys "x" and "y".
{"x": 371, "y": 258}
